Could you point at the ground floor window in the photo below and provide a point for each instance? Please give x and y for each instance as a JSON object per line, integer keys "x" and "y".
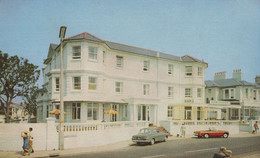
{"x": 92, "y": 111}
{"x": 114, "y": 116}
{"x": 212, "y": 115}
{"x": 198, "y": 113}
{"x": 234, "y": 114}
{"x": 170, "y": 111}
{"x": 76, "y": 108}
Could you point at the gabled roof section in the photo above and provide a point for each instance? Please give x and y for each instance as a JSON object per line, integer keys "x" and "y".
{"x": 187, "y": 58}
{"x": 84, "y": 35}
{"x": 227, "y": 83}
{"x": 52, "y": 48}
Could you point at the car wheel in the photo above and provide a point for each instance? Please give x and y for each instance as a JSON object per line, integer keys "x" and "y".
{"x": 225, "y": 135}
{"x": 206, "y": 135}
{"x": 165, "y": 139}
{"x": 152, "y": 142}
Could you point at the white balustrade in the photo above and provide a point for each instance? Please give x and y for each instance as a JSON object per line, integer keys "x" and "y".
{"x": 83, "y": 127}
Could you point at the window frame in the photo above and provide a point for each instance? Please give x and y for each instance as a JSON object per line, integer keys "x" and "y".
{"x": 90, "y": 84}
{"x": 146, "y": 65}
{"x": 146, "y": 89}
{"x": 170, "y": 111}
{"x": 119, "y": 61}
{"x": 190, "y": 72}
{"x": 76, "y": 111}
{"x": 93, "y": 109}
{"x": 92, "y": 55}
{"x": 76, "y": 57}
{"x": 188, "y": 93}
{"x": 170, "y": 69}
{"x": 119, "y": 87}
{"x": 57, "y": 84}
{"x": 170, "y": 91}
{"x": 199, "y": 92}
{"x": 74, "y": 83}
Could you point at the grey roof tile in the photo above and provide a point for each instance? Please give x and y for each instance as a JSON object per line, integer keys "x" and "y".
{"x": 132, "y": 49}
{"x": 227, "y": 83}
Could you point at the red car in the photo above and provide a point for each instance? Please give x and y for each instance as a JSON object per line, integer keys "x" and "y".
{"x": 211, "y": 132}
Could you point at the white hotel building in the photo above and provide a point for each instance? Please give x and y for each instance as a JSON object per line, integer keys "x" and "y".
{"x": 141, "y": 84}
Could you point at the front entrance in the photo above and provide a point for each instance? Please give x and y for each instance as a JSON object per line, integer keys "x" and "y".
{"x": 143, "y": 113}
{"x": 188, "y": 112}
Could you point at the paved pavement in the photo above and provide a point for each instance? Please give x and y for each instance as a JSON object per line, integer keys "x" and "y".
{"x": 110, "y": 147}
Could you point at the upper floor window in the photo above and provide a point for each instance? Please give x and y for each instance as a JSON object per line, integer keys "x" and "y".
{"x": 170, "y": 91}
{"x": 119, "y": 61}
{"x": 104, "y": 56}
{"x": 146, "y": 88}
{"x": 92, "y": 111}
{"x": 76, "y": 111}
{"x": 188, "y": 70}
{"x": 199, "y": 92}
{"x": 200, "y": 71}
{"x": 92, "y": 53}
{"x": 76, "y": 52}
{"x": 170, "y": 69}
{"x": 188, "y": 92}
{"x": 232, "y": 94}
{"x": 254, "y": 94}
{"x": 57, "y": 84}
{"x": 119, "y": 87}
{"x": 146, "y": 66}
{"x": 92, "y": 83}
{"x": 246, "y": 93}
{"x": 76, "y": 83}
{"x": 170, "y": 111}
{"x": 209, "y": 91}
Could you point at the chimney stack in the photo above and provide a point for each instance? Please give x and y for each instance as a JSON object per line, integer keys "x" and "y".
{"x": 237, "y": 74}
{"x": 220, "y": 75}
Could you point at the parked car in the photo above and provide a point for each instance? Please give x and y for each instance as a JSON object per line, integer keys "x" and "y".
{"x": 211, "y": 132}
{"x": 149, "y": 135}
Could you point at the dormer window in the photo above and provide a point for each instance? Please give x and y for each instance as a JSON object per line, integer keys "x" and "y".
{"x": 76, "y": 52}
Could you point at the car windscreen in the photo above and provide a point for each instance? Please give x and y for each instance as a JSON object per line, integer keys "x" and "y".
{"x": 144, "y": 131}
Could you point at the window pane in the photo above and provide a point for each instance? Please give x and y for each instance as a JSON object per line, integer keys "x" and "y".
{"x": 92, "y": 53}
{"x": 188, "y": 70}
{"x": 76, "y": 52}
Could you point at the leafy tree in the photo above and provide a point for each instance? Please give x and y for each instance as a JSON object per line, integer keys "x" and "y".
{"x": 17, "y": 78}
{"x": 30, "y": 102}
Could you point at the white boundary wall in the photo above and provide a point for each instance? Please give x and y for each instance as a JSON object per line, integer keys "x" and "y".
{"x": 46, "y": 135}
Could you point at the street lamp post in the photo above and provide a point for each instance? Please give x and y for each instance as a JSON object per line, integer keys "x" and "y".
{"x": 61, "y": 136}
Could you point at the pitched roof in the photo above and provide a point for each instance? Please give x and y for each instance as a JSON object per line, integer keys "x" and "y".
{"x": 227, "y": 83}
{"x": 132, "y": 49}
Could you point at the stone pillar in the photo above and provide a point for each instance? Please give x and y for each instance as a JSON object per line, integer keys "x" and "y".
{"x": 52, "y": 136}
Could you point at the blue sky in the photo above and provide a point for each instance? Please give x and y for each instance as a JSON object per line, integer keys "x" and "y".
{"x": 224, "y": 33}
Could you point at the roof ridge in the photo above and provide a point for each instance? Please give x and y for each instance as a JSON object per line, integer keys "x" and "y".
{"x": 131, "y": 46}
{"x": 93, "y": 36}
{"x": 74, "y": 36}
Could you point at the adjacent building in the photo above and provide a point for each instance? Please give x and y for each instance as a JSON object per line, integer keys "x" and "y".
{"x": 233, "y": 98}
{"x": 140, "y": 84}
